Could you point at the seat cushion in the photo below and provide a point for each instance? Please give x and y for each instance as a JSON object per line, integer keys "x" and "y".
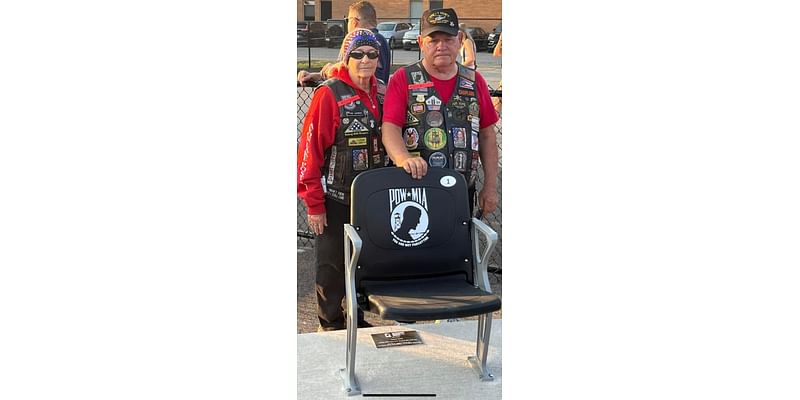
{"x": 428, "y": 299}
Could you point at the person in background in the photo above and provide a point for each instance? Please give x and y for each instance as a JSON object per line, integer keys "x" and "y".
{"x": 359, "y": 15}
{"x": 468, "y": 52}
{"x": 339, "y": 140}
{"x": 498, "y": 52}
{"x": 440, "y": 100}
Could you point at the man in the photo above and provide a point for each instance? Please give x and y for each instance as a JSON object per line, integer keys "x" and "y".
{"x": 360, "y": 15}
{"x": 439, "y": 100}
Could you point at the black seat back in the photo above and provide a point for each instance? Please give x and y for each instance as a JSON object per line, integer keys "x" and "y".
{"x": 411, "y": 228}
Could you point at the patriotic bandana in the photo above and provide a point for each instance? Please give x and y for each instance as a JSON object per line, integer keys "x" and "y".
{"x": 355, "y": 39}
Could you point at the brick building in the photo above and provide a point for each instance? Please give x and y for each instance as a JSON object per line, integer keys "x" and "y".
{"x": 483, "y": 13}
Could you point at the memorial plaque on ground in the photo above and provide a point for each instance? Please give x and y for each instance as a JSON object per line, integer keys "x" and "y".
{"x": 390, "y": 339}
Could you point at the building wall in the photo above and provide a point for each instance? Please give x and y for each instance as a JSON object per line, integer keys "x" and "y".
{"x": 394, "y": 10}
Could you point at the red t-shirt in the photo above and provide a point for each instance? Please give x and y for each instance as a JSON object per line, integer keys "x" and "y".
{"x": 319, "y": 133}
{"x": 396, "y": 100}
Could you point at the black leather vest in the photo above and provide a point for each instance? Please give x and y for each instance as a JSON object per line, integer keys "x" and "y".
{"x": 446, "y": 136}
{"x": 357, "y": 146}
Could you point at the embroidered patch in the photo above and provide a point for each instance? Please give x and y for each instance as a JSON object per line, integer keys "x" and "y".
{"x": 375, "y": 148}
{"x": 457, "y": 102}
{"x": 437, "y": 160}
{"x": 460, "y": 161}
{"x": 411, "y": 119}
{"x": 466, "y": 92}
{"x": 465, "y": 84}
{"x": 411, "y": 137}
{"x": 434, "y": 119}
{"x": 332, "y": 164}
{"x": 356, "y": 128}
{"x": 433, "y": 103}
{"x": 418, "y": 108}
{"x": 359, "y": 159}
{"x": 459, "y": 137}
{"x": 475, "y": 140}
{"x": 476, "y": 123}
{"x": 409, "y": 216}
{"x": 474, "y": 110}
{"x": 435, "y": 139}
{"x": 421, "y": 98}
{"x": 357, "y": 141}
{"x": 417, "y": 77}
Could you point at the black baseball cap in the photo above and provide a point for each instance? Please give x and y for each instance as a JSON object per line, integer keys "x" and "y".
{"x": 439, "y": 20}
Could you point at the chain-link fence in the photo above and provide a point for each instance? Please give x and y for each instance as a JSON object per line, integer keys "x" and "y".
{"x": 305, "y": 237}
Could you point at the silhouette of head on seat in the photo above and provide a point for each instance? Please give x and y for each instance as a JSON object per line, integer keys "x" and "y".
{"x": 411, "y": 217}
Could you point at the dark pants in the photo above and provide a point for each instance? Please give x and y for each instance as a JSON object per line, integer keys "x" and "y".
{"x": 329, "y": 252}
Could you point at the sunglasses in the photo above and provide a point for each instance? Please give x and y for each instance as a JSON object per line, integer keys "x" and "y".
{"x": 358, "y": 54}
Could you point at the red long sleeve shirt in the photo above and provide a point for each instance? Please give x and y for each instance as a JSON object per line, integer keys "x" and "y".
{"x": 318, "y": 135}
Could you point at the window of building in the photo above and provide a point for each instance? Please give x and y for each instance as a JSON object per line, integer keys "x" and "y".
{"x": 437, "y": 4}
{"x": 309, "y": 13}
{"x": 415, "y": 9}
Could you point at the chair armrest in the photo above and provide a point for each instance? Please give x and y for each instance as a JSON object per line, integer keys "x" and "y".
{"x": 482, "y": 259}
{"x": 351, "y": 236}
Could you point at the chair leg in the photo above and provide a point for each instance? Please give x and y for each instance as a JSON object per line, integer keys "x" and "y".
{"x": 478, "y": 361}
{"x": 348, "y": 373}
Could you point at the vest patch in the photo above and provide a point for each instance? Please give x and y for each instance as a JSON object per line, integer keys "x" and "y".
{"x": 358, "y": 141}
{"x": 437, "y": 160}
{"x": 434, "y": 119}
{"x": 433, "y": 103}
{"x": 409, "y": 216}
{"x": 460, "y": 161}
{"x": 459, "y": 137}
{"x": 411, "y": 137}
{"x": 356, "y": 128}
{"x": 411, "y": 119}
{"x": 360, "y": 160}
{"x": 435, "y": 139}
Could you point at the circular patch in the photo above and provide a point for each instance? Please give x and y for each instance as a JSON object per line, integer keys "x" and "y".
{"x": 435, "y": 139}
{"x": 435, "y": 119}
{"x": 437, "y": 160}
{"x": 411, "y": 137}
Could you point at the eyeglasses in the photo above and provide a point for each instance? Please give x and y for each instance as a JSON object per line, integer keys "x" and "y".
{"x": 358, "y": 54}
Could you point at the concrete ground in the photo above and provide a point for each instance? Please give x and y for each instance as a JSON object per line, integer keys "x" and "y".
{"x": 437, "y": 367}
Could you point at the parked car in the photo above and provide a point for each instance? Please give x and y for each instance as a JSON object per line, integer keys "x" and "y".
{"x": 410, "y": 38}
{"x": 393, "y": 32}
{"x": 310, "y": 33}
{"x": 494, "y": 36}
{"x": 480, "y": 36}
{"x": 335, "y": 31}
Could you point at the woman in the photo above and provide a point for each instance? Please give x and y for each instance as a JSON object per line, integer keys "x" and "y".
{"x": 468, "y": 49}
{"x": 339, "y": 140}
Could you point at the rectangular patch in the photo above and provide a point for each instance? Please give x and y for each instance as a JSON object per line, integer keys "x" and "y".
{"x": 359, "y": 159}
{"x": 348, "y": 100}
{"x": 420, "y": 85}
{"x": 465, "y": 92}
{"x": 357, "y": 141}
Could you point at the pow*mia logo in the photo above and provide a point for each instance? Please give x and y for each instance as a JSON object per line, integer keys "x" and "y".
{"x": 409, "y": 216}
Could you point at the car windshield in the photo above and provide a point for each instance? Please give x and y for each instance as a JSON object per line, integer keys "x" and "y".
{"x": 385, "y": 26}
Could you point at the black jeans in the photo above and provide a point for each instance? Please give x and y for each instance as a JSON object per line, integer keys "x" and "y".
{"x": 329, "y": 252}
